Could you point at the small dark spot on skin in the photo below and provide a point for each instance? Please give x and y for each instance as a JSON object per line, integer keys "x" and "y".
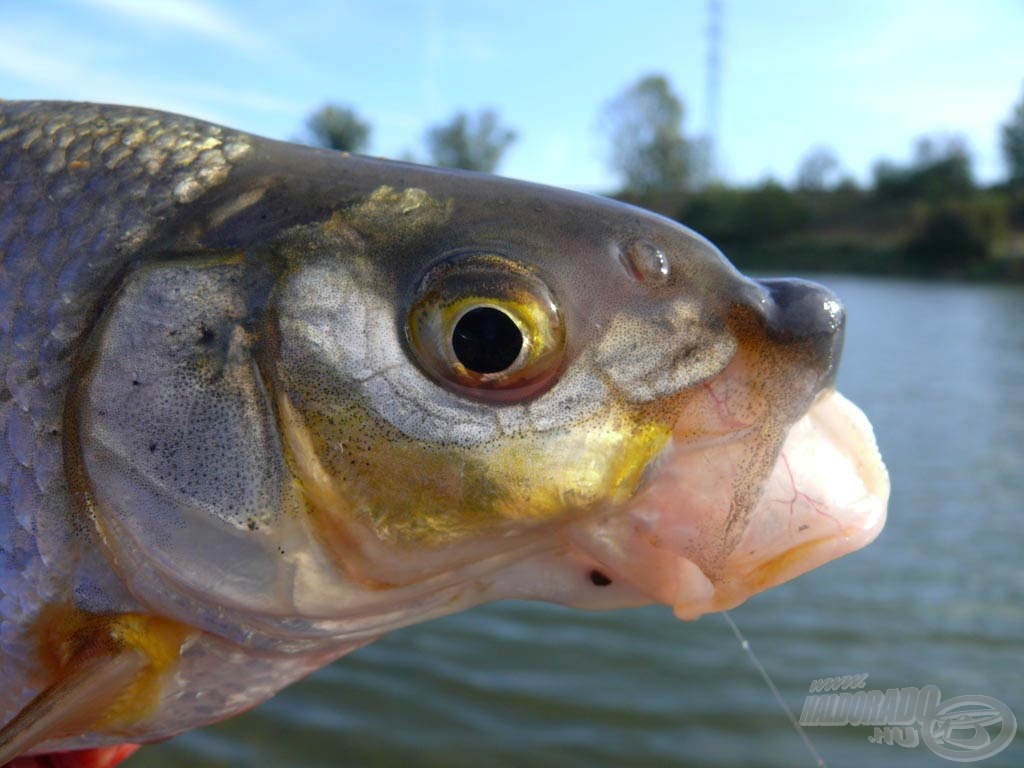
{"x": 599, "y": 579}
{"x": 206, "y": 335}
{"x": 54, "y": 431}
{"x": 252, "y": 525}
{"x": 803, "y": 527}
{"x": 152, "y": 447}
{"x": 135, "y": 382}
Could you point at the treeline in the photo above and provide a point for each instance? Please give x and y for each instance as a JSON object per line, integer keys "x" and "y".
{"x": 926, "y": 216}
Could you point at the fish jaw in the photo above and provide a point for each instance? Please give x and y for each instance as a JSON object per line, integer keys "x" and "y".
{"x": 684, "y": 542}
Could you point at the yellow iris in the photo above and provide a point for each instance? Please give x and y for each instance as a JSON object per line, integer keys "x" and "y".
{"x": 486, "y": 326}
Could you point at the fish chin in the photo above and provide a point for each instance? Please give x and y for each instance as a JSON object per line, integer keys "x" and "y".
{"x": 709, "y": 530}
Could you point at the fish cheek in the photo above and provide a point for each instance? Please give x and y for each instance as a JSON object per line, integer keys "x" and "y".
{"x": 177, "y": 448}
{"x": 361, "y": 473}
{"x": 381, "y": 449}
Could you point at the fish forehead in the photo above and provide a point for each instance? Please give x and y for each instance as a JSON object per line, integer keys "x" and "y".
{"x": 253, "y": 189}
{"x": 574, "y": 241}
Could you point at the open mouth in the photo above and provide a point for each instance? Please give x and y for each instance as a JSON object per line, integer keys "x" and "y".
{"x": 721, "y": 520}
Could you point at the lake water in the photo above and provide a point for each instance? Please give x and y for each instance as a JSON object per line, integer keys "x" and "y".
{"x": 938, "y": 599}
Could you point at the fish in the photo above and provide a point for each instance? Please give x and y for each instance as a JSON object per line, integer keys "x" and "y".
{"x": 263, "y": 403}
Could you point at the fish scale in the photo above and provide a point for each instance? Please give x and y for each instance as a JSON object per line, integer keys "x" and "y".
{"x": 70, "y": 178}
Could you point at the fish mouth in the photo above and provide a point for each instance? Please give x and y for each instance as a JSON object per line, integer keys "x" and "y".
{"x": 826, "y": 497}
{"x": 710, "y": 529}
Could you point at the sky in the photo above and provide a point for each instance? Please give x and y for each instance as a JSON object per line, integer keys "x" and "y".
{"x": 864, "y": 78}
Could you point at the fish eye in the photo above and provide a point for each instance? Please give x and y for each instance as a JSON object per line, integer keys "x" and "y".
{"x": 487, "y": 327}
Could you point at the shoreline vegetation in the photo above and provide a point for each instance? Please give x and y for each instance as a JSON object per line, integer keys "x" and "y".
{"x": 927, "y": 217}
{"x": 977, "y": 234}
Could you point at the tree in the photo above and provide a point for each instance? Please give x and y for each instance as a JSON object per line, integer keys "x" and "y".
{"x": 818, "y": 170}
{"x": 339, "y": 127}
{"x": 941, "y": 170}
{"x": 471, "y": 142}
{"x": 645, "y": 124}
{"x": 945, "y": 240}
{"x": 1013, "y": 143}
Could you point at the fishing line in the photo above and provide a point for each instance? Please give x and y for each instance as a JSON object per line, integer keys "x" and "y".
{"x": 745, "y": 645}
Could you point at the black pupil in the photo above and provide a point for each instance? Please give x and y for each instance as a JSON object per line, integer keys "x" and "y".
{"x": 486, "y": 340}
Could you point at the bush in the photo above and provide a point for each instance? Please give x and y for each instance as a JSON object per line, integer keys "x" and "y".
{"x": 712, "y": 213}
{"x": 729, "y": 216}
{"x": 769, "y": 211}
{"x": 945, "y": 241}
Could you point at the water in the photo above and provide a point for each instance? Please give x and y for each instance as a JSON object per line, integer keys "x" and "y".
{"x": 938, "y": 599}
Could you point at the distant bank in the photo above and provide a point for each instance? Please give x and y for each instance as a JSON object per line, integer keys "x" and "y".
{"x": 928, "y": 228}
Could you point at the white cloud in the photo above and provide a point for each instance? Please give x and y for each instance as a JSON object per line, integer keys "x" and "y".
{"x": 192, "y": 16}
{"x": 74, "y": 73}
{"x": 27, "y": 62}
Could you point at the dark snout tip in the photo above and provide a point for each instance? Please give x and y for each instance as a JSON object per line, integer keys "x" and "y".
{"x": 804, "y": 313}
{"x": 801, "y": 308}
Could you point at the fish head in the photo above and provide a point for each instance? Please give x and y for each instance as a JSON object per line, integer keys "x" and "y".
{"x": 328, "y": 406}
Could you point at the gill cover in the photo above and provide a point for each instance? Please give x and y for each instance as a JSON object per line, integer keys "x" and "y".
{"x": 180, "y": 454}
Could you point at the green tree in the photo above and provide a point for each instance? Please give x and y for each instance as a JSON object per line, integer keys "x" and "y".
{"x": 818, "y": 170}
{"x": 940, "y": 170}
{"x": 945, "y": 240}
{"x": 645, "y": 124}
{"x": 1013, "y": 143}
{"x": 471, "y": 142}
{"x": 338, "y": 127}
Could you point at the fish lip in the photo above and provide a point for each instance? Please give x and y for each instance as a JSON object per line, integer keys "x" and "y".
{"x": 674, "y": 542}
{"x": 860, "y": 520}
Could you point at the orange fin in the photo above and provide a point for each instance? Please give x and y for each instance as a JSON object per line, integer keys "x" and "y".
{"x": 100, "y": 757}
{"x": 85, "y": 688}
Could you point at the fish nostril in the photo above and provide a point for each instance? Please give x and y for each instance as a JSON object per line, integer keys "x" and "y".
{"x": 645, "y": 262}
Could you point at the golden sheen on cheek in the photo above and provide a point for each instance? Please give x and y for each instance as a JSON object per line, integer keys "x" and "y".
{"x": 414, "y": 491}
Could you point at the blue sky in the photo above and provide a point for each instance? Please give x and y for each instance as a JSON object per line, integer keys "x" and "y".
{"x": 863, "y": 77}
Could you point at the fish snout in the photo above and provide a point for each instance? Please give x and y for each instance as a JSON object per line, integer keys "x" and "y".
{"x": 805, "y": 315}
